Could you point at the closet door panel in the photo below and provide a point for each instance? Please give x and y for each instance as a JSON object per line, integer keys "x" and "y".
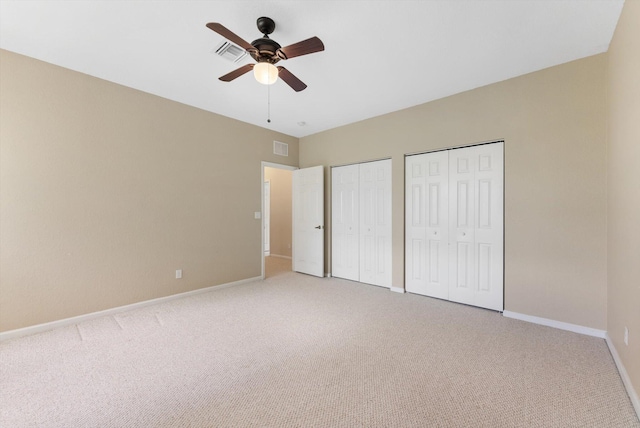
{"x": 384, "y": 224}
{"x": 367, "y": 226}
{"x": 375, "y": 223}
{"x": 344, "y": 222}
{"x": 476, "y": 204}
{"x": 427, "y": 224}
{"x": 437, "y": 185}
{"x": 490, "y": 226}
{"x": 416, "y": 171}
{"x": 462, "y": 251}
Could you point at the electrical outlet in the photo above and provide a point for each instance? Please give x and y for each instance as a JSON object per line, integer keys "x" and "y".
{"x": 626, "y": 336}
{"x": 178, "y": 273}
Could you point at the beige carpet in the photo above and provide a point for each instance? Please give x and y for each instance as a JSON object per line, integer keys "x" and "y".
{"x": 298, "y": 351}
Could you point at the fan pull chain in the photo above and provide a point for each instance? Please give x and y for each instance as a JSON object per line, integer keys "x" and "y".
{"x": 268, "y": 103}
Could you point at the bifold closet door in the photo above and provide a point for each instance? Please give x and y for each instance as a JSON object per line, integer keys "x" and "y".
{"x": 375, "y": 223}
{"x": 345, "y": 229}
{"x": 476, "y": 250}
{"x": 427, "y": 224}
{"x": 454, "y": 225}
{"x": 361, "y": 222}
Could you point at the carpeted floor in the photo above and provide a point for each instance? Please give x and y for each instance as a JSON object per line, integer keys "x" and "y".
{"x": 299, "y": 351}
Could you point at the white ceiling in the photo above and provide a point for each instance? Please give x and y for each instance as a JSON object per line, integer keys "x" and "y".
{"x": 381, "y": 56}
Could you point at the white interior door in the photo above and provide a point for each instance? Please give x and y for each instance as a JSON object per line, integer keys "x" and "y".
{"x": 476, "y": 176}
{"x": 375, "y": 223}
{"x": 308, "y": 221}
{"x": 427, "y": 224}
{"x": 266, "y": 216}
{"x": 344, "y": 222}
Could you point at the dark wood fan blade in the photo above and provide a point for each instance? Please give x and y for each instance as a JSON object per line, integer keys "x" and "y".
{"x": 291, "y": 80}
{"x": 237, "y": 73}
{"x": 229, "y": 35}
{"x": 304, "y": 47}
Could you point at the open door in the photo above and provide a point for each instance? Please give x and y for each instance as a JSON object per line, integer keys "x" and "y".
{"x": 308, "y": 220}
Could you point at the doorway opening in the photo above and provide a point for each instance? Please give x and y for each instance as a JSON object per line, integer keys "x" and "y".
{"x": 276, "y": 219}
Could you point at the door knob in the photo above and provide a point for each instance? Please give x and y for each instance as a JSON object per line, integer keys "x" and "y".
{"x": 318, "y": 227}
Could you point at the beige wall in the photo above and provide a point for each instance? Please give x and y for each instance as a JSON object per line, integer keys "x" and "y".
{"x": 623, "y": 156}
{"x": 281, "y": 229}
{"x": 553, "y": 124}
{"x": 105, "y": 191}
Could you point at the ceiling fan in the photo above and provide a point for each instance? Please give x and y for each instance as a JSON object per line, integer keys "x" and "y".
{"x": 267, "y": 52}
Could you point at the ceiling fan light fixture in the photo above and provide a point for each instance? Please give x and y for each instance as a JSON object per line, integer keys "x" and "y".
{"x": 265, "y": 73}
{"x": 267, "y": 52}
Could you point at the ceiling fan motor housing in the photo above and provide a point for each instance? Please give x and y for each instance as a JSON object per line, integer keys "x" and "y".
{"x": 266, "y": 50}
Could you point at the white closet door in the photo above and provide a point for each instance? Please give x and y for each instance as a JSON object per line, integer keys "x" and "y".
{"x": 476, "y": 226}
{"x": 427, "y": 224}
{"x": 375, "y": 223}
{"x": 415, "y": 275}
{"x": 344, "y": 222}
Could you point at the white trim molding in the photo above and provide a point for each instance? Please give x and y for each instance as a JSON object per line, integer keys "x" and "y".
{"x": 556, "y": 324}
{"x": 397, "y": 289}
{"x": 626, "y": 380}
{"x": 39, "y": 328}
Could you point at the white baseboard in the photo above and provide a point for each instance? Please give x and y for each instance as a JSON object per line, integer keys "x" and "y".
{"x": 556, "y": 324}
{"x": 397, "y": 289}
{"x": 626, "y": 380}
{"x": 280, "y": 256}
{"x": 39, "y": 328}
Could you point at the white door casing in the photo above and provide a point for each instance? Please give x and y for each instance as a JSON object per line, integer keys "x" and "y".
{"x": 308, "y": 221}
{"x": 375, "y": 223}
{"x": 344, "y": 222}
